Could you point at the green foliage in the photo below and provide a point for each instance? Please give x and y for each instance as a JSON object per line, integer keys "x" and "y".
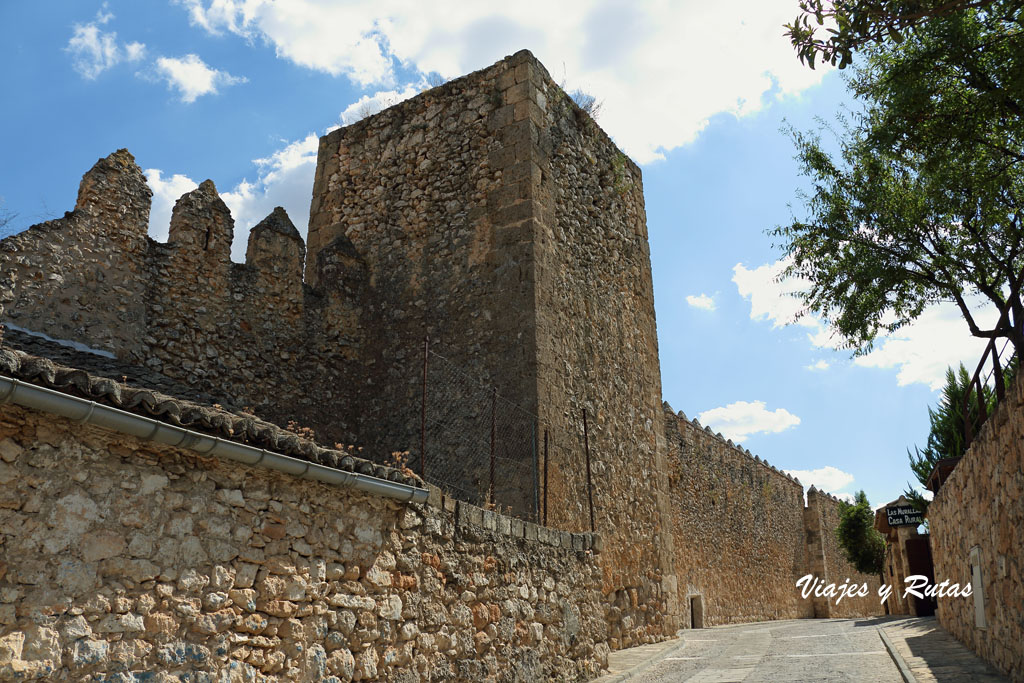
{"x": 922, "y": 202}
{"x": 863, "y": 546}
{"x": 622, "y": 181}
{"x": 947, "y": 436}
{"x": 853, "y": 25}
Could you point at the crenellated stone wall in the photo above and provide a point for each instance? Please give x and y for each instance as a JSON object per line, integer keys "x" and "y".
{"x": 743, "y": 536}
{"x": 979, "y": 508}
{"x": 738, "y": 527}
{"x": 82, "y": 277}
{"x": 252, "y": 335}
{"x": 121, "y": 556}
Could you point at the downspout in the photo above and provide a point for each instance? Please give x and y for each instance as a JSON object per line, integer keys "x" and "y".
{"x": 84, "y": 411}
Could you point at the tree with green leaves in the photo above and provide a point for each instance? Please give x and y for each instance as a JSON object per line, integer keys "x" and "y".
{"x": 922, "y": 203}
{"x": 863, "y": 546}
{"x": 850, "y": 26}
{"x": 947, "y": 437}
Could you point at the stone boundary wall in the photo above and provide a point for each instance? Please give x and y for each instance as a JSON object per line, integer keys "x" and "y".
{"x": 743, "y": 536}
{"x": 822, "y": 519}
{"x": 980, "y": 505}
{"x": 738, "y": 527}
{"x": 121, "y": 556}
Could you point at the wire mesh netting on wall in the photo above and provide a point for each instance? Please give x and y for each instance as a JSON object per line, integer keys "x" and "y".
{"x": 484, "y": 449}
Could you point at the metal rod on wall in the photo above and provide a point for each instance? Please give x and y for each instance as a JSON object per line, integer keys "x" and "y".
{"x": 423, "y": 412}
{"x": 494, "y": 408}
{"x": 590, "y": 487}
{"x": 545, "y": 477}
{"x": 536, "y": 474}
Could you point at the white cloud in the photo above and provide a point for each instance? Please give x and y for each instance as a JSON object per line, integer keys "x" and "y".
{"x": 661, "y": 70}
{"x": 285, "y": 179}
{"x": 702, "y": 301}
{"x": 134, "y": 51}
{"x": 771, "y": 298}
{"x": 848, "y": 497}
{"x": 828, "y": 478}
{"x": 820, "y": 365}
{"x": 926, "y": 493}
{"x": 920, "y": 352}
{"x": 165, "y": 193}
{"x": 93, "y": 51}
{"x": 368, "y": 105}
{"x": 192, "y": 77}
{"x": 739, "y": 420}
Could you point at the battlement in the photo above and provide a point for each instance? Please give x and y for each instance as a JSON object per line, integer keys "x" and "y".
{"x": 687, "y": 426}
{"x": 238, "y": 331}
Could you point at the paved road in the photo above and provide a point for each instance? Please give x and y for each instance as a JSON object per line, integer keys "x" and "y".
{"x": 801, "y": 650}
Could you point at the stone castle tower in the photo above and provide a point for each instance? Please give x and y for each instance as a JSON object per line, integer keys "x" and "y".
{"x": 494, "y": 216}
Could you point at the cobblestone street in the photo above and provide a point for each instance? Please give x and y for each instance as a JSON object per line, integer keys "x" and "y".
{"x": 801, "y": 650}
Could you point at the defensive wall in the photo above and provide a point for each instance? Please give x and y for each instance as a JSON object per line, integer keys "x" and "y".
{"x": 975, "y": 523}
{"x": 492, "y": 216}
{"x": 246, "y": 335}
{"x": 743, "y": 536}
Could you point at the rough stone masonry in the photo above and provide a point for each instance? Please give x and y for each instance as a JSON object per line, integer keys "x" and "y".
{"x": 490, "y": 214}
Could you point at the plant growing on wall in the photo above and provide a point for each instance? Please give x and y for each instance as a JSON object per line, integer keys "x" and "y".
{"x": 863, "y": 546}
{"x": 586, "y": 102}
{"x": 947, "y": 437}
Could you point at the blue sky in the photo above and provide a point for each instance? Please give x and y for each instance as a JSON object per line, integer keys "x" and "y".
{"x": 696, "y": 92}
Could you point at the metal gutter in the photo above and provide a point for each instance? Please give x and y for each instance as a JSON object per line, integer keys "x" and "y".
{"x": 90, "y": 412}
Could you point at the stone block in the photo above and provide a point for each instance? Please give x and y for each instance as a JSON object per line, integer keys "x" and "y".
{"x": 449, "y": 504}
{"x": 502, "y": 157}
{"x": 506, "y": 79}
{"x": 519, "y": 92}
{"x": 489, "y": 520}
{"x": 504, "y": 525}
{"x": 501, "y": 117}
{"x": 434, "y": 496}
{"x": 470, "y": 515}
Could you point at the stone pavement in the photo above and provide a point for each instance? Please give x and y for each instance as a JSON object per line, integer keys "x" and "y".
{"x": 909, "y": 650}
{"x": 932, "y": 654}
